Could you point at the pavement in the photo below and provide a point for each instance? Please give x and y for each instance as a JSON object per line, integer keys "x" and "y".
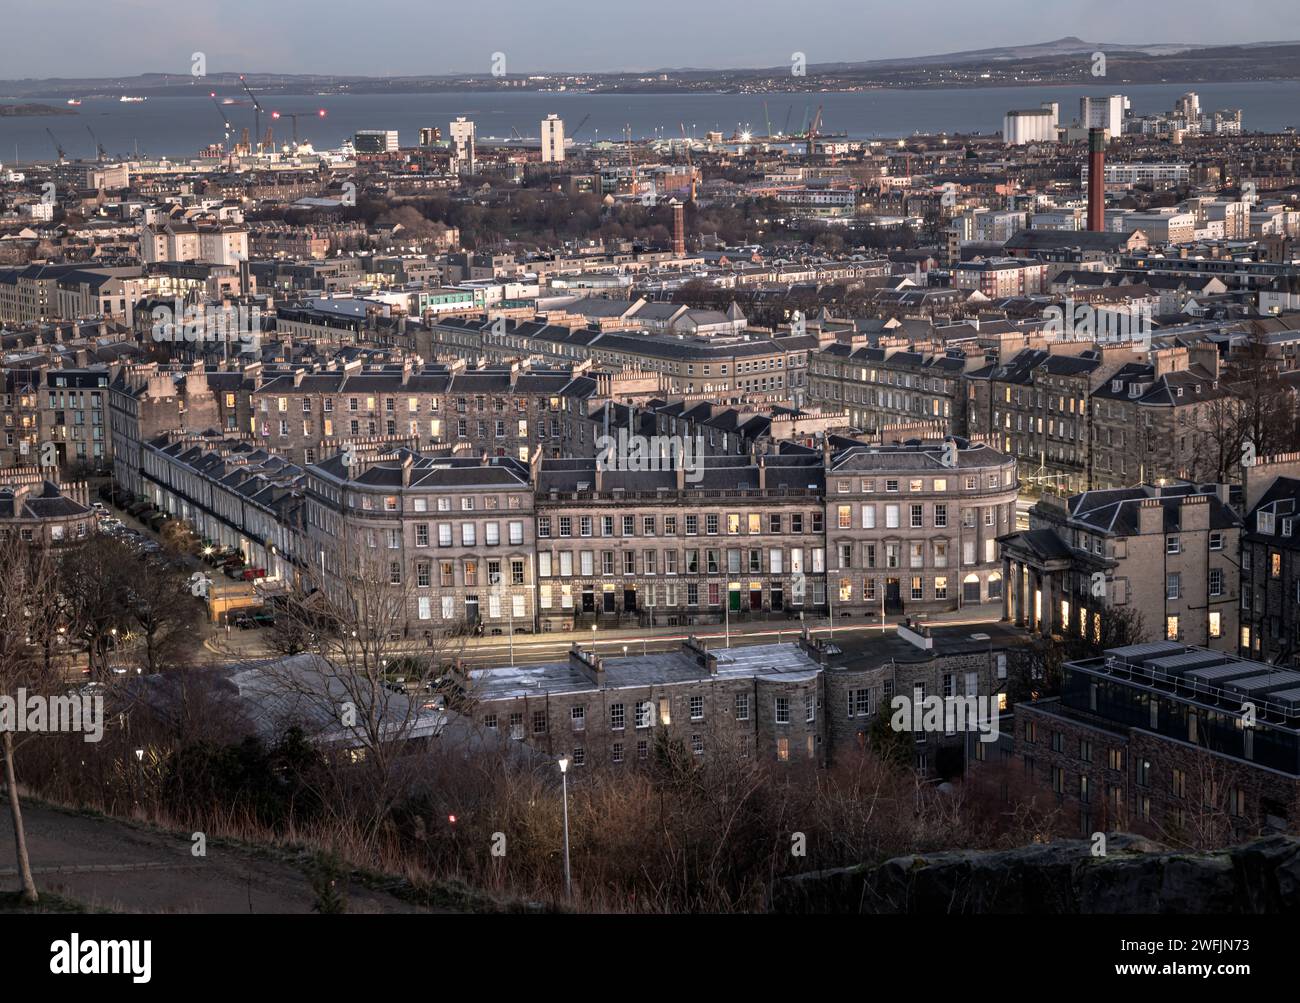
{"x": 105, "y": 863}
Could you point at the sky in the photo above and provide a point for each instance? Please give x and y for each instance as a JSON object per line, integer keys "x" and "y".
{"x": 402, "y": 37}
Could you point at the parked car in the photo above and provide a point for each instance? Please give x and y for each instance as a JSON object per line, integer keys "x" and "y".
{"x": 242, "y": 620}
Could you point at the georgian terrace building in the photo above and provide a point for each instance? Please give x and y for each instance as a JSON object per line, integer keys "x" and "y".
{"x": 743, "y": 539}
{"x": 41, "y": 512}
{"x": 1167, "y": 552}
{"x": 688, "y": 363}
{"x": 807, "y": 702}
{"x": 503, "y": 411}
{"x": 455, "y": 534}
{"x": 304, "y": 414}
{"x": 233, "y": 494}
{"x": 884, "y": 386}
{"x": 914, "y": 527}
{"x": 1036, "y": 407}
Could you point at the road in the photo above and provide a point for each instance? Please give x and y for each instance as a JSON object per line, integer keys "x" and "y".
{"x": 234, "y": 645}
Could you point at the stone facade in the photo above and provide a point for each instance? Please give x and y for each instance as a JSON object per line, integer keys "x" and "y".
{"x": 454, "y": 536}
{"x": 914, "y": 527}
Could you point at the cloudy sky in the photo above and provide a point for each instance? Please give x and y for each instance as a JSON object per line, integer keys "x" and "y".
{"x": 90, "y": 38}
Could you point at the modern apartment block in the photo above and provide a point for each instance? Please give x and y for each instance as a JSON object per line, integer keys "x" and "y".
{"x": 913, "y": 528}
{"x": 1166, "y": 552}
{"x": 455, "y": 535}
{"x": 1194, "y": 747}
{"x": 552, "y": 139}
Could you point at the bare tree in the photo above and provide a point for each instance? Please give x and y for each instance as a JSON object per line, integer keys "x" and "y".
{"x": 90, "y": 579}
{"x": 373, "y": 691}
{"x": 26, "y": 575}
{"x": 156, "y": 599}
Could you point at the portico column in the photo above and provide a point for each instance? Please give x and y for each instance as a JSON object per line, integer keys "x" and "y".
{"x": 1006, "y": 587}
{"x": 1045, "y": 627}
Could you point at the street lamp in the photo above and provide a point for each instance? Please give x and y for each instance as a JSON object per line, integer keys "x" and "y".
{"x": 564, "y": 781}
{"x": 593, "y": 638}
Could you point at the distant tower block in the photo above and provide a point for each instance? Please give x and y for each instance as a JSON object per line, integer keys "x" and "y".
{"x": 1096, "y": 179}
{"x": 679, "y": 229}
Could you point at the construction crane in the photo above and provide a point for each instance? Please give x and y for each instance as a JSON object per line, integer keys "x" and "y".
{"x": 631, "y": 162}
{"x": 224, "y": 117}
{"x": 59, "y": 149}
{"x": 686, "y": 145}
{"x": 257, "y": 107}
{"x": 100, "y": 153}
{"x": 293, "y": 116}
{"x": 812, "y": 131}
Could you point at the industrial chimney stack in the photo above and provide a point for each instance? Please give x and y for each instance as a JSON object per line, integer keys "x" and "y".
{"x": 679, "y": 229}
{"x": 1096, "y": 180}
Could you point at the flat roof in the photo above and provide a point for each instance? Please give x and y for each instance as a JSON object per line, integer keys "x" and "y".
{"x": 788, "y": 661}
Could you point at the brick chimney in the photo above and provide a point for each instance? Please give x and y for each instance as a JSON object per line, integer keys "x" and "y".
{"x": 1096, "y": 180}
{"x": 589, "y": 664}
{"x": 679, "y": 229}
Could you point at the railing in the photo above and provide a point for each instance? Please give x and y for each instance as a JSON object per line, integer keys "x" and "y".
{"x": 1182, "y": 686}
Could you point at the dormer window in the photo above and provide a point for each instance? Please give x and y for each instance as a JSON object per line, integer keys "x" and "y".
{"x": 1116, "y": 386}
{"x": 1264, "y": 522}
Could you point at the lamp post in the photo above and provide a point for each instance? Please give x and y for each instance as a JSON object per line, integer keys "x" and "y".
{"x": 564, "y": 781}
{"x": 593, "y": 638}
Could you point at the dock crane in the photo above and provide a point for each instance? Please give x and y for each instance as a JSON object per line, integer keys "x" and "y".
{"x": 59, "y": 149}
{"x": 631, "y": 162}
{"x": 574, "y": 134}
{"x": 767, "y": 120}
{"x": 257, "y": 107}
{"x": 293, "y": 117}
{"x": 785, "y": 129}
{"x": 100, "y": 153}
{"x": 686, "y": 145}
{"x": 224, "y": 118}
{"x": 812, "y": 131}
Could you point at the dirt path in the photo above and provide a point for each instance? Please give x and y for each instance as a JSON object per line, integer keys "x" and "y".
{"x": 106, "y": 864}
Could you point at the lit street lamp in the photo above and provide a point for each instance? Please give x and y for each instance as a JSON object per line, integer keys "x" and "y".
{"x": 564, "y": 780}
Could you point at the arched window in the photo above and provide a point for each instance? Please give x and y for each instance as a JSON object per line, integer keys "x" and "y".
{"x": 970, "y": 588}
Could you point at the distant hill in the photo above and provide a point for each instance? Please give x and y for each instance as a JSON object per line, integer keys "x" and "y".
{"x": 1060, "y": 61}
